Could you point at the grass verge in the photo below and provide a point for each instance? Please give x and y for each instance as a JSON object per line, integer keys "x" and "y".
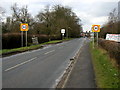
{"x": 107, "y": 75}
{"x": 22, "y": 49}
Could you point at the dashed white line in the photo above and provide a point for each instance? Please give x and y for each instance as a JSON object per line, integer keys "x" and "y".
{"x": 20, "y": 64}
{"x": 60, "y": 47}
{"x": 49, "y": 51}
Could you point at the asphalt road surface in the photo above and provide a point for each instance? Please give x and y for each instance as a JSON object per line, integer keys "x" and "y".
{"x": 39, "y": 68}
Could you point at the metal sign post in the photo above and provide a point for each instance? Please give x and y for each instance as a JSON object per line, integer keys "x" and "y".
{"x": 93, "y": 39}
{"x": 97, "y": 39}
{"x": 62, "y": 36}
{"x": 23, "y": 27}
{"x": 96, "y": 28}
{"x": 26, "y": 38}
{"x": 63, "y": 32}
{"x": 21, "y": 38}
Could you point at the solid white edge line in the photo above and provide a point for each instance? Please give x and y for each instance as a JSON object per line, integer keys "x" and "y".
{"x": 20, "y": 64}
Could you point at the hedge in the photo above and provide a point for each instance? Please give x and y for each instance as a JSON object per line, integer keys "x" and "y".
{"x": 13, "y": 40}
{"x": 112, "y": 47}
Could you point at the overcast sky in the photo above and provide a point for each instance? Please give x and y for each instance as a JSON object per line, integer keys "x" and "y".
{"x": 89, "y": 11}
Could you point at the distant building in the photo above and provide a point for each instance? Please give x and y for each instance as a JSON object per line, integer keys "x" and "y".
{"x": 119, "y": 10}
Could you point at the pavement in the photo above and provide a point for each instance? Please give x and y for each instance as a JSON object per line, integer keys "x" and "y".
{"x": 40, "y": 68}
{"x": 82, "y": 74}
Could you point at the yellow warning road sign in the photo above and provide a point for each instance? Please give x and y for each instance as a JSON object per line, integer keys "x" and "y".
{"x": 24, "y": 27}
{"x": 95, "y": 28}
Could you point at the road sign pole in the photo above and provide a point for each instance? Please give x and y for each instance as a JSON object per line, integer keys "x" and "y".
{"x": 26, "y": 38}
{"x": 62, "y": 36}
{"x": 97, "y": 39}
{"x": 96, "y": 28}
{"x": 93, "y": 39}
{"x": 21, "y": 38}
{"x": 62, "y": 32}
{"x": 23, "y": 27}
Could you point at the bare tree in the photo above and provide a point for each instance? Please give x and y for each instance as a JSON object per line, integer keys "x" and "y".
{"x": 20, "y": 14}
{"x": 112, "y": 26}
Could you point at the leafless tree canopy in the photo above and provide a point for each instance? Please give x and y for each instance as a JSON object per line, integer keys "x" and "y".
{"x": 49, "y": 21}
{"x": 112, "y": 26}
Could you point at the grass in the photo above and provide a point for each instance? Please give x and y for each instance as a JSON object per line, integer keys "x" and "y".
{"x": 106, "y": 74}
{"x": 21, "y": 49}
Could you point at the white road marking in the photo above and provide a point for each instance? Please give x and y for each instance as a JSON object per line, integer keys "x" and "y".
{"x": 20, "y": 64}
{"x": 49, "y": 52}
{"x": 60, "y": 47}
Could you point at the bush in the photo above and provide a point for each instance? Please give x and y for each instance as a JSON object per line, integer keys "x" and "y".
{"x": 13, "y": 40}
{"x": 112, "y": 47}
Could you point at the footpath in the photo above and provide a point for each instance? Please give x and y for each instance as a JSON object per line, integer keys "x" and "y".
{"x": 82, "y": 74}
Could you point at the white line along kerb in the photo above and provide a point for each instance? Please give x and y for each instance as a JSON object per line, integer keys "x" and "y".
{"x": 20, "y": 64}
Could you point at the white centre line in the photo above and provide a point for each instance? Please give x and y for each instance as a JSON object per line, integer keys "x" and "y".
{"x": 49, "y": 52}
{"x": 60, "y": 47}
{"x": 20, "y": 64}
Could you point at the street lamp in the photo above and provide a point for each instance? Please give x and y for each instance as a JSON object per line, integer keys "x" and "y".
{"x": 67, "y": 32}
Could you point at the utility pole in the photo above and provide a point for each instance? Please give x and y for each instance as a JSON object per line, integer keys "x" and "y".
{"x": 68, "y": 32}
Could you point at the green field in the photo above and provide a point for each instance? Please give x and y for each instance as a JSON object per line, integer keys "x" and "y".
{"x": 105, "y": 71}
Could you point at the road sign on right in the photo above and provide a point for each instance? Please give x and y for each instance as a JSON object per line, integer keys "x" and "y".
{"x": 95, "y": 28}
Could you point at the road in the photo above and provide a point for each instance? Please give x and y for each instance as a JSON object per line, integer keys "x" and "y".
{"x": 39, "y": 68}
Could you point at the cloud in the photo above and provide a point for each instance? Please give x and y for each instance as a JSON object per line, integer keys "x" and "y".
{"x": 89, "y": 11}
{"x": 93, "y": 11}
{"x": 99, "y": 20}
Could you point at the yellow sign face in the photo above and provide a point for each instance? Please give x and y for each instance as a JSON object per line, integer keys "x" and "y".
{"x": 95, "y": 28}
{"x": 24, "y": 27}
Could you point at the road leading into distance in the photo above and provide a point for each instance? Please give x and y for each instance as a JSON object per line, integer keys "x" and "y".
{"x": 39, "y": 68}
